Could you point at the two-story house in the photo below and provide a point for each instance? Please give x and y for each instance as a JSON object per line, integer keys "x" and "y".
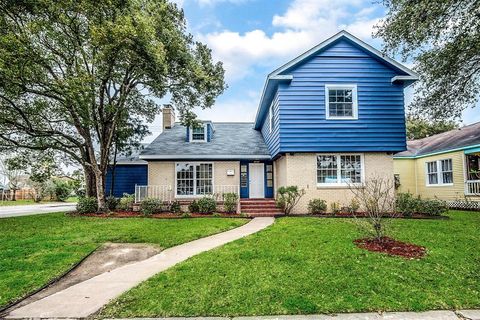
{"x": 330, "y": 117}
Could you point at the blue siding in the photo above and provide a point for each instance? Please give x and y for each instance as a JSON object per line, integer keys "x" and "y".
{"x": 126, "y": 176}
{"x": 272, "y": 139}
{"x": 301, "y": 118}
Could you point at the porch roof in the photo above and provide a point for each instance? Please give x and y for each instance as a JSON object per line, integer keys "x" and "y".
{"x": 231, "y": 140}
{"x": 457, "y": 139}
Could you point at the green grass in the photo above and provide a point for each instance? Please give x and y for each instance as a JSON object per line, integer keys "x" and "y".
{"x": 308, "y": 265}
{"x": 35, "y": 249}
{"x": 30, "y": 201}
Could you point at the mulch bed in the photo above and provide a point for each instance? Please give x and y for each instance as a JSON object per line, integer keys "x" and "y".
{"x": 392, "y": 247}
{"x": 165, "y": 215}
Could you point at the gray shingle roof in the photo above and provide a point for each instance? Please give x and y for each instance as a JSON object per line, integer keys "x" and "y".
{"x": 230, "y": 140}
{"x": 457, "y": 138}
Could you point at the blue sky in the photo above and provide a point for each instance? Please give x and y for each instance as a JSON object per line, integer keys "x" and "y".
{"x": 254, "y": 37}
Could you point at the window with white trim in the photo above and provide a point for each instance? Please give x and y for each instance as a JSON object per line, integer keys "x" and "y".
{"x": 198, "y": 134}
{"x": 339, "y": 169}
{"x": 194, "y": 179}
{"x": 439, "y": 172}
{"x": 341, "y": 102}
{"x": 270, "y": 118}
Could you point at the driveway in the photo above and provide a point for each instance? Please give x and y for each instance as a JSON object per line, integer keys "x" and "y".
{"x": 26, "y": 210}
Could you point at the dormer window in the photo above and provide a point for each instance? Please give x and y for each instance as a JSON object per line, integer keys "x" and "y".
{"x": 199, "y": 134}
{"x": 341, "y": 102}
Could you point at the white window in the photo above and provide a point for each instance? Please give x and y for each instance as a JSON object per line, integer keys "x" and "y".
{"x": 439, "y": 172}
{"x": 339, "y": 169}
{"x": 194, "y": 179}
{"x": 198, "y": 134}
{"x": 341, "y": 102}
{"x": 270, "y": 118}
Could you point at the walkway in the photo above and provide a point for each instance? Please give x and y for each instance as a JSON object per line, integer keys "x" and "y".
{"x": 87, "y": 297}
{"x": 31, "y": 209}
{"x": 428, "y": 315}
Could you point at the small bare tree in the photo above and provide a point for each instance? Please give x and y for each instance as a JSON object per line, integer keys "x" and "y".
{"x": 377, "y": 199}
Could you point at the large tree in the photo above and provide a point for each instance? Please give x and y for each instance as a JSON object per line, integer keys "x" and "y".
{"x": 76, "y": 74}
{"x": 418, "y": 128}
{"x": 443, "y": 38}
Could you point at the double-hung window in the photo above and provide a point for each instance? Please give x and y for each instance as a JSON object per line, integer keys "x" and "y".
{"x": 339, "y": 169}
{"x": 194, "y": 179}
{"x": 439, "y": 172}
{"x": 198, "y": 134}
{"x": 270, "y": 119}
{"x": 341, "y": 102}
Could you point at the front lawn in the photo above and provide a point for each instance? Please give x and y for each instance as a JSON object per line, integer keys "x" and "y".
{"x": 309, "y": 265}
{"x": 20, "y": 202}
{"x": 35, "y": 249}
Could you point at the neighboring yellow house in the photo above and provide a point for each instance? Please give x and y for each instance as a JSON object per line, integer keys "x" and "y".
{"x": 446, "y": 165}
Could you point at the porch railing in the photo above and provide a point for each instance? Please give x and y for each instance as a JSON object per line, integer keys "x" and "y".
{"x": 167, "y": 193}
{"x": 472, "y": 188}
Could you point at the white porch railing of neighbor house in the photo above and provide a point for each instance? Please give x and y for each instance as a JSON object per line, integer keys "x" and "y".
{"x": 167, "y": 193}
{"x": 472, "y": 188}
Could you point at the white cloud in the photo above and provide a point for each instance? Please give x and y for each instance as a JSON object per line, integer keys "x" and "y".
{"x": 304, "y": 24}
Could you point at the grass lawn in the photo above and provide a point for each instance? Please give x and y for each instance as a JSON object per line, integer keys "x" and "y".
{"x": 35, "y": 249}
{"x": 308, "y": 265}
{"x": 30, "y": 201}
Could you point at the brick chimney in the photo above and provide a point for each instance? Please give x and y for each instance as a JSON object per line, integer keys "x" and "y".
{"x": 168, "y": 116}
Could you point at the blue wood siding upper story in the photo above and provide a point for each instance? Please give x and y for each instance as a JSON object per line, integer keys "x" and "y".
{"x": 126, "y": 177}
{"x": 272, "y": 139}
{"x": 301, "y": 118}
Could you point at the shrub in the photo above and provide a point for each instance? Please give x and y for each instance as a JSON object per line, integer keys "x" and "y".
{"x": 61, "y": 190}
{"x": 335, "y": 207}
{"x": 216, "y": 214}
{"x": 87, "y": 205}
{"x": 376, "y": 196}
{"x": 126, "y": 202}
{"x": 316, "y": 206}
{"x": 230, "y": 201}
{"x": 150, "y": 206}
{"x": 111, "y": 203}
{"x": 186, "y": 215}
{"x": 288, "y": 198}
{"x": 353, "y": 206}
{"x": 207, "y": 205}
{"x": 432, "y": 207}
{"x": 193, "y": 207}
{"x": 407, "y": 204}
{"x": 175, "y": 207}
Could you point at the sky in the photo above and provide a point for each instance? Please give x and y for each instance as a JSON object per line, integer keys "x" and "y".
{"x": 254, "y": 37}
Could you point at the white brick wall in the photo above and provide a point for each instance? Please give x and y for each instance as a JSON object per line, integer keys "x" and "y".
{"x": 300, "y": 169}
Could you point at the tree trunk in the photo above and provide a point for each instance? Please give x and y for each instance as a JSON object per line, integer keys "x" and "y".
{"x": 14, "y": 194}
{"x": 90, "y": 182}
{"x": 112, "y": 170}
{"x": 100, "y": 178}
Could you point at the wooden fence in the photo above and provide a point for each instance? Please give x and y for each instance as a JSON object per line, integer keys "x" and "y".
{"x": 464, "y": 205}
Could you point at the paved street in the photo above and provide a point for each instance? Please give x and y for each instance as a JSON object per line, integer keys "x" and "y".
{"x": 25, "y": 210}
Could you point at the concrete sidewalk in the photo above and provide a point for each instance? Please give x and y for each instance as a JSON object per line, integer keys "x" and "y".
{"x": 31, "y": 209}
{"x": 87, "y": 297}
{"x": 428, "y": 315}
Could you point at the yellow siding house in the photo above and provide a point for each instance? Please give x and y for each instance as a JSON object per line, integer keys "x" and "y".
{"x": 446, "y": 165}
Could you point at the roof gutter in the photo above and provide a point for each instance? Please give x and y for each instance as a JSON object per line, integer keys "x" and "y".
{"x": 206, "y": 157}
{"x": 437, "y": 152}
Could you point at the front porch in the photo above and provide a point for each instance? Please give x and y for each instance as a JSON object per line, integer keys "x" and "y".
{"x": 472, "y": 174}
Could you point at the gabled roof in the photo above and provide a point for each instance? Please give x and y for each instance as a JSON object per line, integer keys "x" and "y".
{"x": 231, "y": 140}
{"x": 278, "y": 75}
{"x": 457, "y": 139}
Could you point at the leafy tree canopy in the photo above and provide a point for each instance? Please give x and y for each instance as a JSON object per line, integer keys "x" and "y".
{"x": 443, "y": 37}
{"x": 75, "y": 75}
{"x": 418, "y": 128}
